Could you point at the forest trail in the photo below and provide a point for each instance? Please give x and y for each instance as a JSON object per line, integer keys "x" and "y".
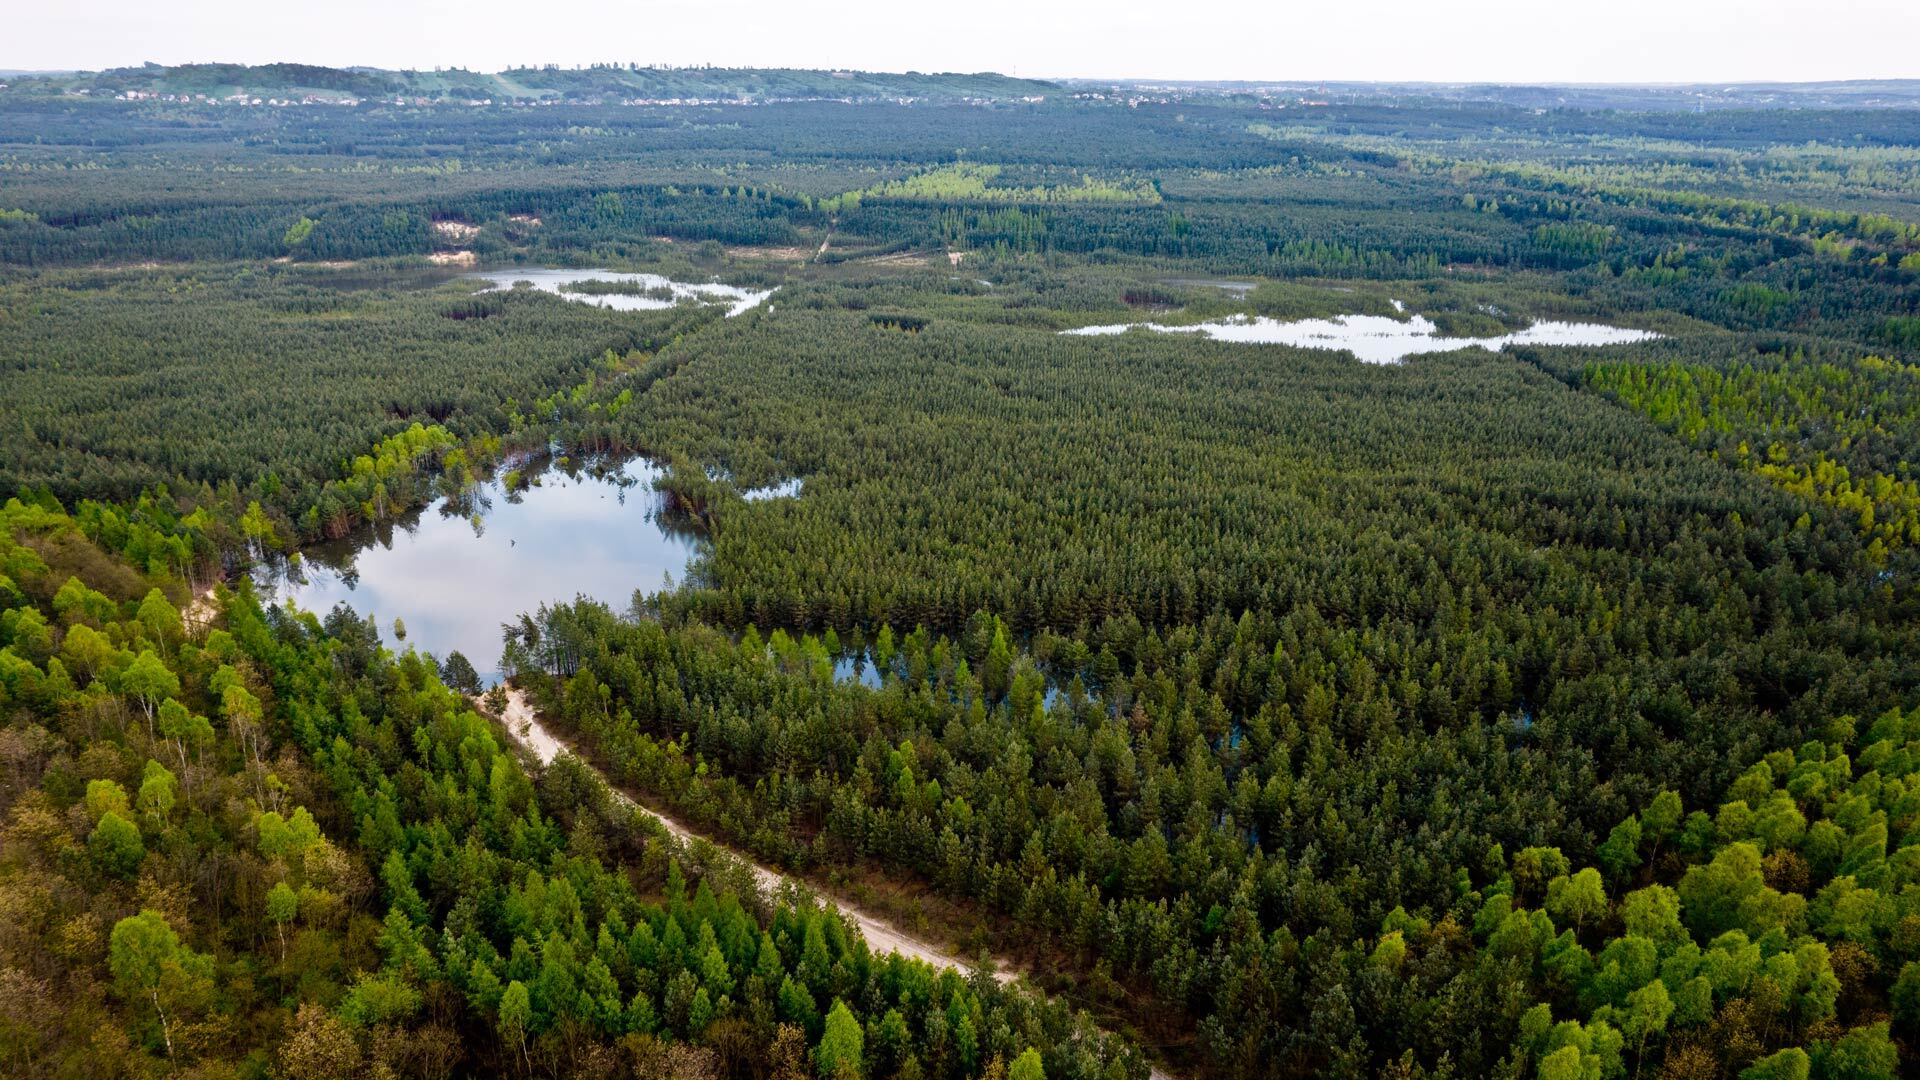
{"x": 524, "y": 726}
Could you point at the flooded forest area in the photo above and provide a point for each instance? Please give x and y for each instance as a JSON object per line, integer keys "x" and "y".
{"x": 994, "y": 580}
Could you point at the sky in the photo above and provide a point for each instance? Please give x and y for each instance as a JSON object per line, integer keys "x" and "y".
{"x": 1397, "y": 40}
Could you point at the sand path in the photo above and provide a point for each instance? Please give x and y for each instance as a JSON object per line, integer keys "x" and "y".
{"x": 524, "y": 726}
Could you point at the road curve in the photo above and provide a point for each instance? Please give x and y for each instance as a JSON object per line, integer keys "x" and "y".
{"x": 524, "y": 727}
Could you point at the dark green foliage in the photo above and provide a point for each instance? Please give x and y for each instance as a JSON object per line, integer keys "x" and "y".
{"x": 1303, "y": 717}
{"x": 232, "y": 381}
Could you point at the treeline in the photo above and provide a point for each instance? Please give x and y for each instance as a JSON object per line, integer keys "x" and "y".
{"x": 1837, "y": 434}
{"x": 274, "y": 848}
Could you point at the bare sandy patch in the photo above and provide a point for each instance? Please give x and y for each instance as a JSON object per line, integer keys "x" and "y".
{"x": 452, "y": 258}
{"x": 149, "y": 264}
{"x": 898, "y": 258}
{"x": 772, "y": 254}
{"x": 457, "y": 231}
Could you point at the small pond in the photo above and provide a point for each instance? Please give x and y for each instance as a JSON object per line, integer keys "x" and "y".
{"x": 456, "y": 571}
{"x": 622, "y": 291}
{"x": 785, "y": 489}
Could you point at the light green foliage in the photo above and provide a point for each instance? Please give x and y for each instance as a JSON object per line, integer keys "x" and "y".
{"x": 115, "y": 846}
{"x": 1391, "y": 950}
{"x": 1620, "y": 854}
{"x": 75, "y": 602}
{"x": 1725, "y": 893}
{"x": 286, "y": 838}
{"x": 1789, "y": 1064}
{"x": 382, "y": 998}
{"x": 1906, "y": 995}
{"x": 964, "y": 182}
{"x": 149, "y": 681}
{"x": 161, "y": 619}
{"x": 159, "y": 790}
{"x": 1864, "y": 1053}
{"x": 840, "y": 1053}
{"x": 1220, "y": 678}
{"x": 1647, "y": 1012}
{"x": 1027, "y": 1066}
{"x": 151, "y": 967}
{"x": 258, "y": 528}
{"x": 516, "y": 1013}
{"x": 1662, "y": 816}
{"x": 1574, "y": 1051}
{"x": 1810, "y": 428}
{"x": 1653, "y": 913}
{"x": 105, "y": 796}
{"x": 1578, "y": 899}
{"x": 283, "y": 904}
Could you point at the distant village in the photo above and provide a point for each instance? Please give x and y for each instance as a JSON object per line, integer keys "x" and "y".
{"x": 1132, "y": 98}
{"x": 424, "y": 101}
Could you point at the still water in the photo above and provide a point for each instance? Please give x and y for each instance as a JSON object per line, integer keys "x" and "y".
{"x": 1379, "y": 339}
{"x": 455, "y": 572}
{"x": 650, "y": 292}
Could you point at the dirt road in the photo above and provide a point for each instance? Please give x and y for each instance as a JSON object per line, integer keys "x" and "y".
{"x": 882, "y": 936}
{"x": 523, "y": 726}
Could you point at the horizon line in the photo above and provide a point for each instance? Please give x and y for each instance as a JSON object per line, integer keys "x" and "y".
{"x": 1106, "y": 79}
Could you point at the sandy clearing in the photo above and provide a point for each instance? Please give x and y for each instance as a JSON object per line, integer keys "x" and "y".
{"x": 898, "y": 258}
{"x": 198, "y": 614}
{"x": 774, "y": 254}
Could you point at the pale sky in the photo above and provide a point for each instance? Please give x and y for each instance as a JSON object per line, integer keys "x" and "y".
{"x": 1438, "y": 40}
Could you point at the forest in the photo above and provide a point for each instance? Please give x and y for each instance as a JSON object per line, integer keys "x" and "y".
{"x": 1249, "y": 710}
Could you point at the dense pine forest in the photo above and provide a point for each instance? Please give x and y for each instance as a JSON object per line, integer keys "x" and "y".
{"x": 1550, "y": 711}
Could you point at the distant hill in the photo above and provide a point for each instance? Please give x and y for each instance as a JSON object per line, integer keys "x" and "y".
{"x": 606, "y": 82}
{"x": 1645, "y": 97}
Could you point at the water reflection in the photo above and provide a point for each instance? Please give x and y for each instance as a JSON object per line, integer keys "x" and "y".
{"x": 457, "y": 570}
{"x": 785, "y": 489}
{"x": 622, "y": 291}
{"x": 857, "y": 668}
{"x": 1378, "y": 339}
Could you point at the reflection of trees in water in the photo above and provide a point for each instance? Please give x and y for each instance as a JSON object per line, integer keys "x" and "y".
{"x": 278, "y": 574}
{"x": 677, "y": 520}
{"x": 473, "y": 502}
{"x": 628, "y": 475}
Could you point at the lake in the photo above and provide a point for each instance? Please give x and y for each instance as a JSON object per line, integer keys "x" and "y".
{"x": 1380, "y": 339}
{"x": 454, "y": 581}
{"x": 649, "y": 292}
